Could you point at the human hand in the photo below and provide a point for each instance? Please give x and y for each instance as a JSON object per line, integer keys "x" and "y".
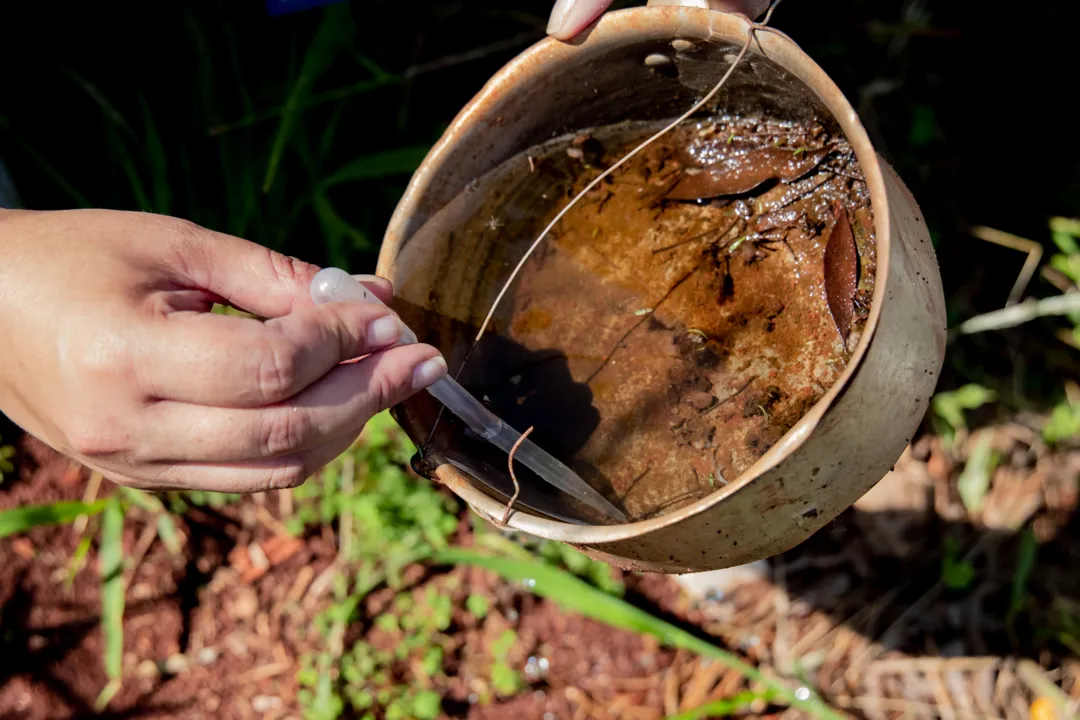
{"x": 112, "y": 357}
{"x": 570, "y": 17}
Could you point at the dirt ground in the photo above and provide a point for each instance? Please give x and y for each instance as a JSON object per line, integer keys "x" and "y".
{"x": 861, "y": 610}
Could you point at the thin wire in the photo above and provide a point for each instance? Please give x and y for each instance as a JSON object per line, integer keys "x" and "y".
{"x": 754, "y": 27}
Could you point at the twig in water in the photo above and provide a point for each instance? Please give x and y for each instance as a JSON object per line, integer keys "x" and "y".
{"x": 754, "y": 27}
{"x": 510, "y": 464}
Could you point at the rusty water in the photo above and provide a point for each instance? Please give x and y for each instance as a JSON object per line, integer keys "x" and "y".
{"x": 677, "y": 321}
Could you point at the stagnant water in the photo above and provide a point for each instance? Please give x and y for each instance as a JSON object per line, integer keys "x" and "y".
{"x": 674, "y": 324}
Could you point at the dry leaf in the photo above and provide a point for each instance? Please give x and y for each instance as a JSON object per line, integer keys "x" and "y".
{"x": 841, "y": 272}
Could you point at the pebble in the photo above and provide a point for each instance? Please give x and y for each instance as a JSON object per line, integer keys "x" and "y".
{"x": 682, "y": 45}
{"x": 245, "y": 605}
{"x": 177, "y": 664}
{"x": 657, "y": 59}
{"x": 208, "y": 656}
{"x": 265, "y": 703}
{"x": 147, "y": 670}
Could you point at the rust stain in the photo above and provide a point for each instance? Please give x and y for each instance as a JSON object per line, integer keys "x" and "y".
{"x": 532, "y": 320}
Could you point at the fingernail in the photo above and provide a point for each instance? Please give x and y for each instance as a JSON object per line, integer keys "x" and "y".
{"x": 570, "y": 17}
{"x": 429, "y": 372}
{"x": 384, "y": 331}
{"x": 370, "y": 278}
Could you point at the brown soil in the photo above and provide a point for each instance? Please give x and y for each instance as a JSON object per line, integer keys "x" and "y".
{"x": 230, "y": 635}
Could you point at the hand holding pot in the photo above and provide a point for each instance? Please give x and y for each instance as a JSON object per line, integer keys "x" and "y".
{"x": 570, "y": 17}
{"x": 112, "y": 356}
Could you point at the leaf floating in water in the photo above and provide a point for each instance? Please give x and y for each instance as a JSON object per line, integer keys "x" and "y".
{"x": 841, "y": 272}
{"x": 743, "y": 170}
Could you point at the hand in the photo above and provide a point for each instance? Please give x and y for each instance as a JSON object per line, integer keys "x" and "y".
{"x": 570, "y": 17}
{"x": 111, "y": 355}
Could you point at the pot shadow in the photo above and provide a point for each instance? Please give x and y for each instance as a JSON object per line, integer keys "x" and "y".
{"x": 525, "y": 388}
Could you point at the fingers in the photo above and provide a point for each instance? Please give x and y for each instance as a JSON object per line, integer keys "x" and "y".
{"x": 382, "y": 287}
{"x": 570, "y": 17}
{"x": 261, "y": 476}
{"x": 337, "y": 405}
{"x": 223, "y": 360}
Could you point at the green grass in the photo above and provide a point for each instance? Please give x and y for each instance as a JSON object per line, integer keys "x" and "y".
{"x": 112, "y": 563}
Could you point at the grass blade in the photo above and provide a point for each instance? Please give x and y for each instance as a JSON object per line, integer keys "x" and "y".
{"x": 978, "y": 473}
{"x": 401, "y": 161}
{"x": 107, "y": 108}
{"x": 49, "y": 169}
{"x": 334, "y": 35}
{"x": 336, "y": 231}
{"x": 111, "y": 568}
{"x": 1025, "y": 563}
{"x": 166, "y": 530}
{"x": 720, "y": 708}
{"x": 24, "y": 518}
{"x": 78, "y": 560}
{"x": 578, "y": 596}
{"x": 159, "y": 163}
{"x": 127, "y": 164}
{"x": 141, "y": 499}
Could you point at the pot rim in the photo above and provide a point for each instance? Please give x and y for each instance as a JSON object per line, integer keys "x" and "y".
{"x": 650, "y": 22}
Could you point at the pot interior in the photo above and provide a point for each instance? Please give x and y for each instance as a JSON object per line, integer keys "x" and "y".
{"x": 682, "y": 317}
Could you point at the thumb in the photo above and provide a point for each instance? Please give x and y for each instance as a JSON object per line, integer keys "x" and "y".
{"x": 570, "y": 17}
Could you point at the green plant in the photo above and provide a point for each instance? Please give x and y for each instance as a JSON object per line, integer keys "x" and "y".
{"x": 387, "y": 519}
{"x": 6, "y": 453}
{"x": 949, "y": 408}
{"x": 975, "y": 479}
{"x": 576, "y": 595}
{"x": 956, "y": 573}
{"x": 504, "y": 678}
{"x": 1063, "y": 423}
{"x": 112, "y": 563}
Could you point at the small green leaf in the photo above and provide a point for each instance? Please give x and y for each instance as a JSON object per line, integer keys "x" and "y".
{"x": 956, "y": 573}
{"x": 1064, "y": 423}
{"x": 505, "y": 681}
{"x": 950, "y": 406}
{"x": 1069, "y": 227}
{"x": 1068, "y": 265}
{"x": 24, "y": 518}
{"x": 477, "y": 605}
{"x": 923, "y": 126}
{"x": 501, "y": 647}
{"x": 974, "y": 481}
{"x": 426, "y": 705}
